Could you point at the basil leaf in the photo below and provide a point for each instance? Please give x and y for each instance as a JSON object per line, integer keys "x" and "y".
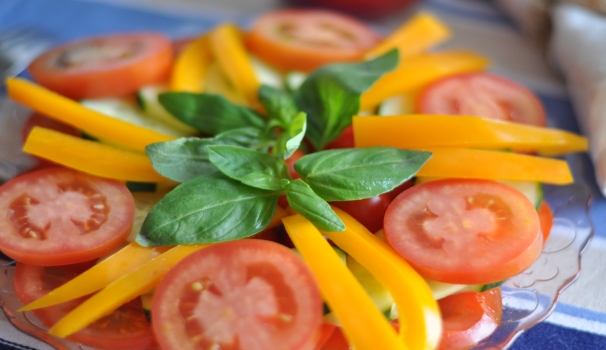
{"x": 331, "y": 95}
{"x": 250, "y": 167}
{"x": 208, "y": 209}
{"x": 211, "y": 114}
{"x": 186, "y": 158}
{"x": 358, "y": 173}
{"x": 290, "y": 140}
{"x": 315, "y": 209}
{"x": 280, "y": 105}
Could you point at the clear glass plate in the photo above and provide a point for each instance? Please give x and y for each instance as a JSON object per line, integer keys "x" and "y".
{"x": 528, "y": 298}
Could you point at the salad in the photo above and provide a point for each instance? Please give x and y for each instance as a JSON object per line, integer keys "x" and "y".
{"x": 306, "y": 132}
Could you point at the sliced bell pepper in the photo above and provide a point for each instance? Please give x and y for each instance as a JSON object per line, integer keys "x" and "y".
{"x": 419, "y": 131}
{"x": 189, "y": 71}
{"x": 494, "y": 165}
{"x": 415, "y": 36}
{"x": 228, "y": 49}
{"x": 127, "y": 287}
{"x": 419, "y": 317}
{"x": 115, "y": 266}
{"x": 417, "y": 71}
{"x": 364, "y": 325}
{"x": 71, "y": 112}
{"x": 91, "y": 157}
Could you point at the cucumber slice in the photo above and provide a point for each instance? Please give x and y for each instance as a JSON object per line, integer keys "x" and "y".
{"x": 266, "y": 74}
{"x": 441, "y": 290}
{"x": 147, "y": 97}
{"x": 294, "y": 79}
{"x": 144, "y": 202}
{"x": 397, "y": 105}
{"x": 128, "y": 111}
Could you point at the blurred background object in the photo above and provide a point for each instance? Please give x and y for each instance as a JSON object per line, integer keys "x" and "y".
{"x": 368, "y": 9}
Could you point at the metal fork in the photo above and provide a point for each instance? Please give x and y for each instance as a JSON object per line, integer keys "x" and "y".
{"x": 18, "y": 47}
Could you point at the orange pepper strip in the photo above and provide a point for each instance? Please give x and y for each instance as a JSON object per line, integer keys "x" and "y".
{"x": 494, "y": 165}
{"x": 228, "y": 49}
{"x": 118, "y": 264}
{"x": 91, "y": 157}
{"x": 420, "y": 70}
{"x": 420, "y": 320}
{"x": 416, "y": 35}
{"x": 127, "y": 287}
{"x": 424, "y": 130}
{"x": 71, "y": 112}
{"x": 189, "y": 71}
{"x": 365, "y": 326}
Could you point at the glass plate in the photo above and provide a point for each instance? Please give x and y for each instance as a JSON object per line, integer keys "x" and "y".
{"x": 528, "y": 298}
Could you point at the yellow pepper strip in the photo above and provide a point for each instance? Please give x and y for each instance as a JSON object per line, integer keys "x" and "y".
{"x": 421, "y": 131}
{"x": 494, "y": 165}
{"x": 189, "y": 71}
{"x": 364, "y": 325}
{"x": 115, "y": 266}
{"x": 228, "y": 49}
{"x": 420, "y": 320}
{"x": 91, "y": 157}
{"x": 416, "y": 35}
{"x": 420, "y": 70}
{"x": 127, "y": 287}
{"x": 71, "y": 112}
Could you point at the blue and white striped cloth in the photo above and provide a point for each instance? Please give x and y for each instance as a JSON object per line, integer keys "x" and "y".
{"x": 579, "y": 320}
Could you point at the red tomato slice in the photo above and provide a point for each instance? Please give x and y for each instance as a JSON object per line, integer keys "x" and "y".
{"x": 464, "y": 231}
{"x": 126, "y": 328}
{"x": 469, "y": 317}
{"x": 337, "y": 341}
{"x": 546, "y": 220}
{"x": 106, "y": 66}
{"x": 246, "y": 294}
{"x": 345, "y": 140}
{"x": 307, "y": 39}
{"x": 59, "y": 216}
{"x": 483, "y": 95}
{"x": 369, "y": 212}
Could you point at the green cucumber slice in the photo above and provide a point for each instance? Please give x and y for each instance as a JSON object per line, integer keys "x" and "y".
{"x": 396, "y": 105}
{"x": 266, "y": 74}
{"x": 147, "y": 98}
{"x": 294, "y": 79}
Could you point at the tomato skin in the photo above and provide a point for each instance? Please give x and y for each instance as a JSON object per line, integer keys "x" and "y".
{"x": 336, "y": 341}
{"x": 291, "y": 163}
{"x": 484, "y": 95}
{"x": 464, "y": 231}
{"x": 120, "y": 65}
{"x": 546, "y": 220}
{"x": 369, "y": 212}
{"x": 46, "y": 221}
{"x": 266, "y": 282}
{"x": 469, "y": 317}
{"x": 32, "y": 282}
{"x": 403, "y": 187}
{"x": 345, "y": 140}
{"x": 305, "y": 40}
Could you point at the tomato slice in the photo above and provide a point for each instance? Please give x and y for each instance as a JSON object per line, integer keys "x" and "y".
{"x": 469, "y": 317}
{"x": 59, "y": 216}
{"x": 546, "y": 220}
{"x": 246, "y": 294}
{"x": 483, "y": 95}
{"x": 464, "y": 231}
{"x": 307, "y": 39}
{"x": 345, "y": 140}
{"x": 114, "y": 65}
{"x": 126, "y": 328}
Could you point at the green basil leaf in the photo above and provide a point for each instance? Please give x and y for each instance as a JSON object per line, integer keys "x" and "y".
{"x": 208, "y": 209}
{"x": 290, "y": 140}
{"x": 186, "y": 158}
{"x": 306, "y": 202}
{"x": 280, "y": 105}
{"x": 331, "y": 95}
{"x": 211, "y": 114}
{"x": 253, "y": 168}
{"x": 358, "y": 173}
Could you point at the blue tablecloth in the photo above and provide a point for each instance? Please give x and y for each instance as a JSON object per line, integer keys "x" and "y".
{"x": 572, "y": 326}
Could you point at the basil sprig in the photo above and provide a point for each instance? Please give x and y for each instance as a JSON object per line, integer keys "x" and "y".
{"x": 231, "y": 184}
